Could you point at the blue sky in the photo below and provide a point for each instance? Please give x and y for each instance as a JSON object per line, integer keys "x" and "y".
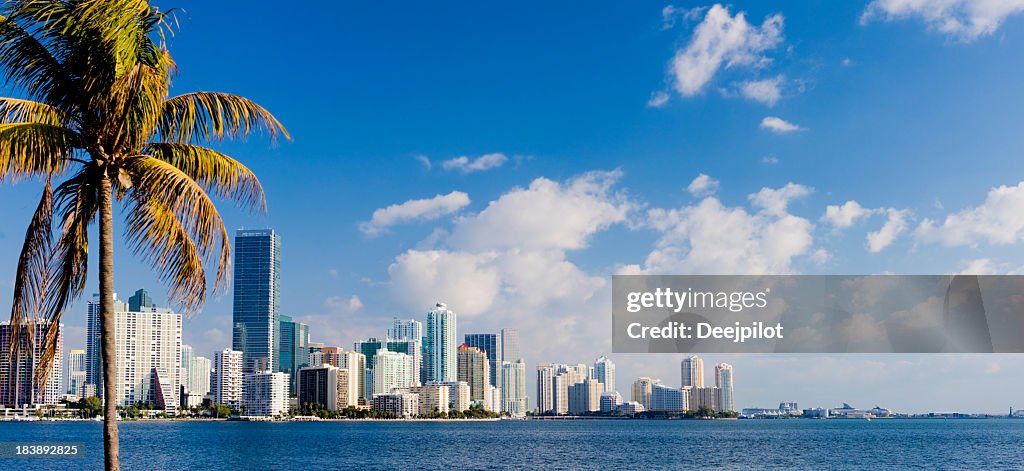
{"x": 529, "y": 151}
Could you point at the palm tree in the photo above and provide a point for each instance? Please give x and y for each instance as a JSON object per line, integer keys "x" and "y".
{"x": 96, "y": 125}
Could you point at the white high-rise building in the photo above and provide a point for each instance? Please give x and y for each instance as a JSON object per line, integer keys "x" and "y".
{"x": 723, "y": 381}
{"x": 513, "y": 390}
{"x": 668, "y": 399}
{"x": 265, "y": 394}
{"x": 642, "y": 390}
{"x": 439, "y": 345}
{"x": 434, "y": 397}
{"x": 355, "y": 363}
{"x": 604, "y": 371}
{"x": 392, "y": 370}
{"x": 610, "y": 401}
{"x": 227, "y": 377}
{"x": 406, "y": 329}
{"x": 692, "y": 372}
{"x": 585, "y": 396}
{"x": 199, "y": 375}
{"x": 18, "y": 385}
{"x": 553, "y": 383}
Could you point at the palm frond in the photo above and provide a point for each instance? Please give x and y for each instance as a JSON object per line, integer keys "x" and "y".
{"x": 76, "y": 202}
{"x": 206, "y": 116}
{"x": 215, "y": 171}
{"x": 31, "y": 277}
{"x": 28, "y": 64}
{"x": 32, "y": 149}
{"x": 133, "y": 107}
{"x": 16, "y": 110}
{"x": 156, "y": 180}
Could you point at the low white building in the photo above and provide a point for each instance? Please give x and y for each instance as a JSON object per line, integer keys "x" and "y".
{"x": 265, "y": 394}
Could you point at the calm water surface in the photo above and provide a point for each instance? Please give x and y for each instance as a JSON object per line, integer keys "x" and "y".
{"x": 591, "y": 444}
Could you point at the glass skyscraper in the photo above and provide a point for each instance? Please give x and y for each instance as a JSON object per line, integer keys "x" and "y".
{"x": 294, "y": 349}
{"x": 256, "y": 325}
{"x": 439, "y": 347}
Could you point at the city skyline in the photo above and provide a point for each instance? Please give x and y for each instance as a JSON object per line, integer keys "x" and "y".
{"x": 513, "y": 189}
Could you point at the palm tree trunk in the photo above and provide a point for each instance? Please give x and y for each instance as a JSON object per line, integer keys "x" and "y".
{"x": 111, "y": 443}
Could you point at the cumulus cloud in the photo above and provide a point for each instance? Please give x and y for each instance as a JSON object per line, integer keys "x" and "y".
{"x": 547, "y": 214}
{"x": 658, "y": 99}
{"x": 723, "y": 40}
{"x": 775, "y": 201}
{"x": 765, "y": 91}
{"x": 894, "y": 226}
{"x": 845, "y": 215}
{"x": 779, "y": 125}
{"x": 966, "y": 20}
{"x": 703, "y": 185}
{"x": 712, "y": 238}
{"x": 999, "y": 220}
{"x": 414, "y": 210}
{"x": 465, "y": 164}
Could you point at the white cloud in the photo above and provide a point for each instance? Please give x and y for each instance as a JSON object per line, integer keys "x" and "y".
{"x": 424, "y": 160}
{"x": 775, "y": 201}
{"x": 722, "y": 40}
{"x": 841, "y": 217}
{"x": 779, "y": 125}
{"x": 770, "y": 160}
{"x": 467, "y": 165}
{"x": 980, "y": 266}
{"x": 339, "y": 304}
{"x": 711, "y": 238}
{"x": 998, "y": 221}
{"x": 414, "y": 210}
{"x": 965, "y": 20}
{"x": 671, "y": 13}
{"x": 703, "y": 185}
{"x": 658, "y": 99}
{"x": 546, "y": 215}
{"x": 894, "y": 226}
{"x": 765, "y": 91}
{"x": 847, "y": 62}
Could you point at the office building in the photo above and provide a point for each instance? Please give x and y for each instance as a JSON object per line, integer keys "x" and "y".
{"x": 510, "y": 345}
{"x": 256, "y": 315}
{"x": 326, "y": 387}
{"x": 265, "y": 394}
{"x": 294, "y": 348}
{"x": 490, "y": 344}
{"x": 433, "y": 397}
{"x": 513, "y": 390}
{"x": 668, "y": 399}
{"x": 458, "y": 394}
{"x": 585, "y": 396}
{"x": 439, "y": 345}
{"x": 708, "y": 398}
{"x": 723, "y": 381}
{"x": 610, "y": 401}
{"x": 402, "y": 404}
{"x": 20, "y": 351}
{"x": 406, "y": 329}
{"x": 604, "y": 371}
{"x": 642, "y": 390}
{"x": 692, "y": 372}
{"x": 474, "y": 369}
{"x": 93, "y": 349}
{"x": 77, "y": 372}
{"x": 227, "y": 377}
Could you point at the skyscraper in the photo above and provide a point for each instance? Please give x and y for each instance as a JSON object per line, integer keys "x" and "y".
{"x": 256, "y": 327}
{"x": 553, "y": 385}
{"x": 294, "y": 349}
{"x": 510, "y": 345}
{"x": 265, "y": 394}
{"x": 439, "y": 345}
{"x": 490, "y": 344}
{"x": 17, "y": 372}
{"x": 723, "y": 381}
{"x": 188, "y": 359}
{"x": 474, "y": 369}
{"x": 643, "y": 387}
{"x": 93, "y": 349}
{"x": 692, "y": 372}
{"x": 369, "y": 348}
{"x": 326, "y": 386}
{"x": 355, "y": 363}
{"x": 76, "y": 372}
{"x": 513, "y": 390}
{"x": 227, "y": 377}
{"x": 148, "y": 352}
{"x": 604, "y": 371}
{"x": 585, "y": 396}
{"x": 140, "y": 300}
{"x": 391, "y": 370}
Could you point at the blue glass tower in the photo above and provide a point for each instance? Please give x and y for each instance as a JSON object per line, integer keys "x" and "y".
{"x": 256, "y": 330}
